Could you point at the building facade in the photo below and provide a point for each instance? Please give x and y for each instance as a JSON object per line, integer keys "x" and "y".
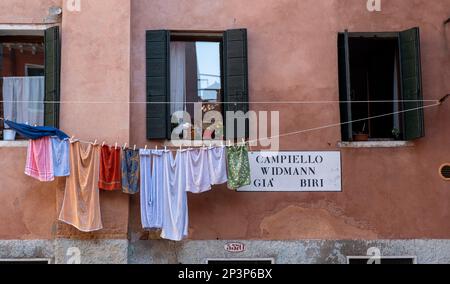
{"x": 393, "y": 196}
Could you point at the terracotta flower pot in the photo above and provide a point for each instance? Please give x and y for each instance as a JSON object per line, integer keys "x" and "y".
{"x": 361, "y": 137}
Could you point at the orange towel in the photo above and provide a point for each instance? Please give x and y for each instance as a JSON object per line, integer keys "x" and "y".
{"x": 81, "y": 205}
{"x": 110, "y": 169}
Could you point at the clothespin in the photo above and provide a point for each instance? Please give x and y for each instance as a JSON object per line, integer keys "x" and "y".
{"x": 103, "y": 144}
{"x": 181, "y": 148}
{"x": 125, "y": 146}
{"x": 156, "y": 147}
{"x": 72, "y": 139}
{"x": 134, "y": 148}
{"x": 243, "y": 142}
{"x": 146, "y": 147}
{"x": 165, "y": 148}
{"x": 95, "y": 143}
{"x": 116, "y": 145}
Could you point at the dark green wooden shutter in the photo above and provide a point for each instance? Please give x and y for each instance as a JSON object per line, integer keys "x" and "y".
{"x": 411, "y": 74}
{"x": 52, "y": 77}
{"x": 345, "y": 87}
{"x": 235, "y": 61}
{"x": 158, "y": 84}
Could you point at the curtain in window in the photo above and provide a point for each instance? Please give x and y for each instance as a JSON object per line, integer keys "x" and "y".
{"x": 24, "y": 99}
{"x": 177, "y": 76}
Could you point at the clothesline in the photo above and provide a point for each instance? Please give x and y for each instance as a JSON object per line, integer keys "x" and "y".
{"x": 230, "y": 143}
{"x": 224, "y": 103}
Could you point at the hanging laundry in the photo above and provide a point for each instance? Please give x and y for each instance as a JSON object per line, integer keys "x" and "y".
{"x": 110, "y": 170}
{"x": 36, "y": 132}
{"x": 151, "y": 163}
{"x": 238, "y": 167}
{"x": 175, "y": 218}
{"x": 198, "y": 176}
{"x": 130, "y": 171}
{"x": 81, "y": 205}
{"x": 60, "y": 153}
{"x": 39, "y": 163}
{"x": 217, "y": 160}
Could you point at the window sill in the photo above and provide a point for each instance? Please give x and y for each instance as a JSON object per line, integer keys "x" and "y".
{"x": 14, "y": 144}
{"x": 376, "y": 144}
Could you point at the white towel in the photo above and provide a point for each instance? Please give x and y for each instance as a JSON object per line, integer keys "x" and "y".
{"x": 217, "y": 160}
{"x": 198, "y": 171}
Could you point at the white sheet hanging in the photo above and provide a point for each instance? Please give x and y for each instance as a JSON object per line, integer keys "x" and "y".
{"x": 176, "y": 217}
{"x": 24, "y": 99}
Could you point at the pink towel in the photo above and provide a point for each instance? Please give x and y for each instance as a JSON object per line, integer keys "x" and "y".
{"x": 39, "y": 160}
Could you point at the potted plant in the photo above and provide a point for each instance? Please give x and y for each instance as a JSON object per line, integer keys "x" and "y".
{"x": 361, "y": 136}
{"x": 396, "y": 133}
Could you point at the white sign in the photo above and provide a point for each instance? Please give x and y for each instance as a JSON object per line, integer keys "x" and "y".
{"x": 295, "y": 171}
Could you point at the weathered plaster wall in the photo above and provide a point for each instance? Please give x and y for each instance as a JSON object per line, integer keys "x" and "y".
{"x": 25, "y": 11}
{"x": 95, "y": 84}
{"x": 287, "y": 252}
{"x": 95, "y": 71}
{"x": 387, "y": 193}
{"x": 28, "y": 209}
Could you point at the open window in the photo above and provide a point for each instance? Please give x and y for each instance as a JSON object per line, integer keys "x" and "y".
{"x": 380, "y": 86}
{"x": 29, "y": 77}
{"x": 194, "y": 69}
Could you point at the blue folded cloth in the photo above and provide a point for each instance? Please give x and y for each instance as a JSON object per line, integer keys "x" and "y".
{"x": 36, "y": 132}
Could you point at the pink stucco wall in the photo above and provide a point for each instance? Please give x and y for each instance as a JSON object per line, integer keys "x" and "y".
{"x": 25, "y": 11}
{"x": 387, "y": 193}
{"x": 95, "y": 83}
{"x": 95, "y": 70}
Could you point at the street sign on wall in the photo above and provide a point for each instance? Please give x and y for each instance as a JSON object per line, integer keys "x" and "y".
{"x": 295, "y": 172}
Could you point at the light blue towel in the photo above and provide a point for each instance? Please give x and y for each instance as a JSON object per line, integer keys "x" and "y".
{"x": 151, "y": 189}
{"x": 61, "y": 158}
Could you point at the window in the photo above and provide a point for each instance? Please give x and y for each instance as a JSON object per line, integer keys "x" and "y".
{"x": 183, "y": 68}
{"x": 39, "y": 261}
{"x": 383, "y": 260}
{"x": 380, "y": 78}
{"x": 33, "y": 70}
{"x": 29, "y": 76}
{"x": 244, "y": 261}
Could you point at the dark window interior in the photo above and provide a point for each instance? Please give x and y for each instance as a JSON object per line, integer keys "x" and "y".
{"x": 39, "y": 262}
{"x": 374, "y": 75}
{"x": 383, "y": 260}
{"x": 240, "y": 262}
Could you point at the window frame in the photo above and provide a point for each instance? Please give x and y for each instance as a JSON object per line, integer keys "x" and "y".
{"x": 41, "y": 28}
{"x": 201, "y": 36}
{"x": 234, "y": 72}
{"x": 345, "y": 109}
